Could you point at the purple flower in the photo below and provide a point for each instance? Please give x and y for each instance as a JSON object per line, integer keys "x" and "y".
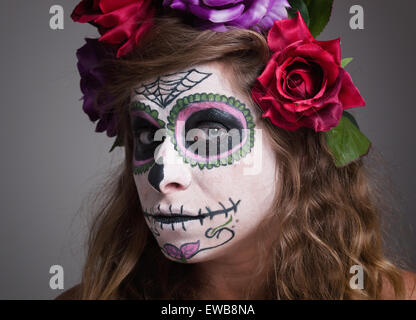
{"x": 92, "y": 80}
{"x": 219, "y": 15}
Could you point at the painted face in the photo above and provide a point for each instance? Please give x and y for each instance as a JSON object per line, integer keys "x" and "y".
{"x": 204, "y": 172}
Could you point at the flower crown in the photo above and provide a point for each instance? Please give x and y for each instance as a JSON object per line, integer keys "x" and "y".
{"x": 304, "y": 83}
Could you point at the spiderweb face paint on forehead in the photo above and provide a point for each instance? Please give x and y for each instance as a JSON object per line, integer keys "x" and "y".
{"x": 191, "y": 110}
{"x": 165, "y": 89}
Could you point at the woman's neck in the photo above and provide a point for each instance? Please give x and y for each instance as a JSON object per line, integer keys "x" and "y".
{"x": 237, "y": 275}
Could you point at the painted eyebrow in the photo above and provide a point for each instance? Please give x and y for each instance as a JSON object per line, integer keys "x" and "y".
{"x": 133, "y": 112}
{"x": 192, "y": 104}
{"x": 137, "y": 121}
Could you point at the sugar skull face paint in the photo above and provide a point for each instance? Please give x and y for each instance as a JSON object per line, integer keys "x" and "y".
{"x": 144, "y": 123}
{"x": 202, "y": 205}
{"x": 220, "y": 115}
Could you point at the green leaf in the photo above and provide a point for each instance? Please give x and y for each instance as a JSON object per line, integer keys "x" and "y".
{"x": 117, "y": 143}
{"x": 319, "y": 14}
{"x": 299, "y": 5}
{"x": 351, "y": 118}
{"x": 346, "y": 61}
{"x": 346, "y": 142}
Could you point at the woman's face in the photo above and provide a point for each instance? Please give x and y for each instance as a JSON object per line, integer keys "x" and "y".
{"x": 205, "y": 173}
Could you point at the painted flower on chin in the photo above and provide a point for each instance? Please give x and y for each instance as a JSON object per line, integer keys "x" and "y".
{"x": 186, "y": 251}
{"x": 303, "y": 84}
{"x": 218, "y": 15}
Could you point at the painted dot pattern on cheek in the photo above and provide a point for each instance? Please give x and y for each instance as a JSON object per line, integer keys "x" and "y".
{"x": 225, "y": 109}
{"x": 144, "y": 121}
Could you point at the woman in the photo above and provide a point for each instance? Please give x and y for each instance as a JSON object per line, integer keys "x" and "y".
{"x": 220, "y": 196}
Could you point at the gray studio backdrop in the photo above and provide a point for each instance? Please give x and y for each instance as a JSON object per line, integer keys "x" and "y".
{"x": 51, "y": 158}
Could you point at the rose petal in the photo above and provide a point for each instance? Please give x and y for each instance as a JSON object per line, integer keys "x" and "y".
{"x": 219, "y": 3}
{"x": 119, "y": 22}
{"x": 279, "y": 71}
{"x": 313, "y": 76}
{"x": 253, "y": 14}
{"x": 126, "y": 26}
{"x": 194, "y": 2}
{"x": 289, "y": 68}
{"x": 277, "y": 10}
{"x": 300, "y": 84}
{"x": 278, "y": 119}
{"x": 178, "y": 5}
{"x": 83, "y": 12}
{"x": 331, "y": 94}
{"x": 88, "y": 107}
{"x": 281, "y": 108}
{"x": 285, "y": 32}
{"x": 123, "y": 16}
{"x": 133, "y": 41}
{"x": 349, "y": 95}
{"x": 112, "y": 125}
{"x": 112, "y": 5}
{"x": 92, "y": 79}
{"x": 282, "y": 73}
{"x": 271, "y": 107}
{"x": 101, "y": 125}
{"x": 314, "y": 52}
{"x": 217, "y": 16}
{"x": 324, "y": 119}
{"x": 333, "y": 47}
{"x": 268, "y": 73}
{"x": 96, "y": 5}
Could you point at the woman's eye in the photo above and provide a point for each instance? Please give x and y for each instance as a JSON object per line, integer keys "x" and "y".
{"x": 211, "y": 130}
{"x": 145, "y": 136}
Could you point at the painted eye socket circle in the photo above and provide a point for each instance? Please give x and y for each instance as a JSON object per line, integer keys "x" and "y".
{"x": 224, "y": 126}
{"x": 144, "y": 124}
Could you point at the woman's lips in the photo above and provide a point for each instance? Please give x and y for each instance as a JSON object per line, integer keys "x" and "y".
{"x": 172, "y": 217}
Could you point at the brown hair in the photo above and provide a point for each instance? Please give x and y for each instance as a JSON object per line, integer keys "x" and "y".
{"x": 325, "y": 219}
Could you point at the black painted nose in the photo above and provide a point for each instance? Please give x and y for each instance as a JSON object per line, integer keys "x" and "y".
{"x": 156, "y": 174}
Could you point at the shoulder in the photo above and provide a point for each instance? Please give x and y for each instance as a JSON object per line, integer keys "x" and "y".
{"x": 409, "y": 279}
{"x": 73, "y": 293}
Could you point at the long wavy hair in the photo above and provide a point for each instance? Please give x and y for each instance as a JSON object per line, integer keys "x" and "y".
{"x": 325, "y": 219}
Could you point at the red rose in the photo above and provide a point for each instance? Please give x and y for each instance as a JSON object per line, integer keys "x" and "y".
{"x": 120, "y": 22}
{"x": 303, "y": 84}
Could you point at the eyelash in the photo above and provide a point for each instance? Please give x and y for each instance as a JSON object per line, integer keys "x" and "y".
{"x": 216, "y": 124}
